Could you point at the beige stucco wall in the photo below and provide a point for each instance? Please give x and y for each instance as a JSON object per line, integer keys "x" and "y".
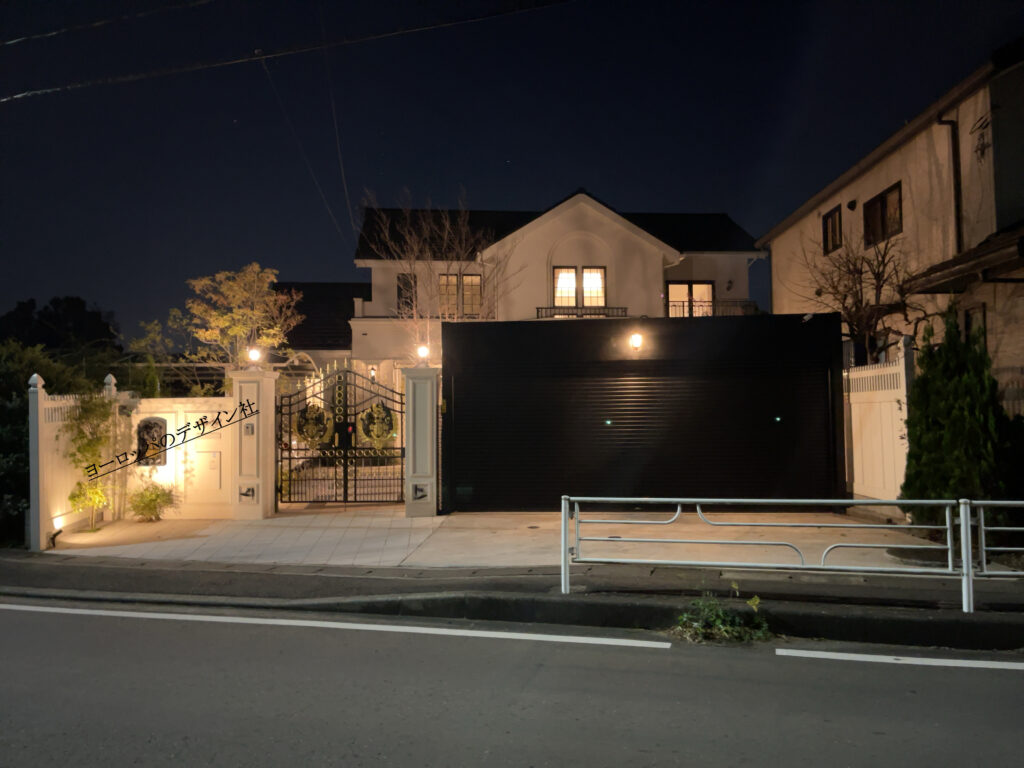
{"x": 578, "y": 233}
{"x": 924, "y": 167}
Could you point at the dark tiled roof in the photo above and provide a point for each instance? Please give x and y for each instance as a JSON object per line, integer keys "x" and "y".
{"x": 327, "y": 308}
{"x": 694, "y": 231}
{"x": 682, "y": 231}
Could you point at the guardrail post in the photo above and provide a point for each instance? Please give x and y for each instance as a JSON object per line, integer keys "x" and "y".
{"x": 967, "y": 578}
{"x": 565, "y": 545}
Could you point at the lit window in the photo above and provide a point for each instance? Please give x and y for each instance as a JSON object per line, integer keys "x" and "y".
{"x": 593, "y": 286}
{"x": 565, "y": 286}
{"x": 691, "y": 299}
{"x": 448, "y": 295}
{"x": 472, "y": 295}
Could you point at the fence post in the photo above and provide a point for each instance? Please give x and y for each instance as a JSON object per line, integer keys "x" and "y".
{"x": 967, "y": 579}
{"x": 34, "y": 533}
{"x": 565, "y": 545}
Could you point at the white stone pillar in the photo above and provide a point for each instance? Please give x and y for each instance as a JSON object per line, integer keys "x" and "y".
{"x": 421, "y": 441}
{"x": 35, "y": 531}
{"x": 252, "y": 476}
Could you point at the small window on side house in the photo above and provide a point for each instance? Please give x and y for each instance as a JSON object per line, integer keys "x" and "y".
{"x": 883, "y": 215}
{"x": 832, "y": 230}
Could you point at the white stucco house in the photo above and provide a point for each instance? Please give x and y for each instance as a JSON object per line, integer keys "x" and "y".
{"x": 947, "y": 190}
{"x": 578, "y": 259}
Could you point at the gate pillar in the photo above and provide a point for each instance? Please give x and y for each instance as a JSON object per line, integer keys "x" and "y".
{"x": 421, "y": 441}
{"x": 251, "y": 476}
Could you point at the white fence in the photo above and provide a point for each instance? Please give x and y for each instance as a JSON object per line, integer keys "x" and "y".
{"x": 51, "y": 476}
{"x": 225, "y": 471}
{"x": 875, "y": 406}
{"x": 1011, "y": 389}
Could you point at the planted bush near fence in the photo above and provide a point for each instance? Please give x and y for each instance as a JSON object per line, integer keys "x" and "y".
{"x": 962, "y": 444}
{"x": 150, "y": 501}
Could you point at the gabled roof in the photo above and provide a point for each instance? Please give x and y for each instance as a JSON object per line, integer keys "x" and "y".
{"x": 327, "y": 308}
{"x": 685, "y": 232}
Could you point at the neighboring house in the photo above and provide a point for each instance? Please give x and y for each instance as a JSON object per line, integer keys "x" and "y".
{"x": 324, "y": 334}
{"x": 946, "y": 191}
{"x": 578, "y": 259}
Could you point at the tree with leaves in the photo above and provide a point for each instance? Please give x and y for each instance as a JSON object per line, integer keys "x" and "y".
{"x": 961, "y": 443}
{"x": 230, "y": 313}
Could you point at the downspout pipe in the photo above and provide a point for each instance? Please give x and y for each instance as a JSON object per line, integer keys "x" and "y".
{"x": 958, "y": 203}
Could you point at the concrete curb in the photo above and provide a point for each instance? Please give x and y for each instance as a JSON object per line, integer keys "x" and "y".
{"x": 856, "y": 623}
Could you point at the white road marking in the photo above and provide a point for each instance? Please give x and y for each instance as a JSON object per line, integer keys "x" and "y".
{"x": 406, "y": 629}
{"x": 921, "y": 662}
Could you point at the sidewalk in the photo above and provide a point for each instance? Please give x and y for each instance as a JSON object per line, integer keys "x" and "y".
{"x": 384, "y": 537}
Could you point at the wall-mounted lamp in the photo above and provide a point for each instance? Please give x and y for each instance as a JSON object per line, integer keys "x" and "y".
{"x": 373, "y": 373}
{"x": 635, "y": 342}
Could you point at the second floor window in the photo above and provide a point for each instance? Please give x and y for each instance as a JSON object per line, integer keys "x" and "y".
{"x": 593, "y": 286}
{"x": 448, "y": 295}
{"x": 883, "y": 215}
{"x": 472, "y": 295}
{"x": 565, "y": 286}
{"x": 406, "y": 294}
{"x": 832, "y": 230}
{"x": 570, "y": 291}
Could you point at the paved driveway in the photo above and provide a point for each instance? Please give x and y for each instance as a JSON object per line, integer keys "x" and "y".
{"x": 383, "y": 536}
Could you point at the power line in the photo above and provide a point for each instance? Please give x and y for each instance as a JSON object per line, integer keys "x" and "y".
{"x": 302, "y": 151}
{"x": 334, "y": 116}
{"x": 104, "y": 22}
{"x": 260, "y": 55}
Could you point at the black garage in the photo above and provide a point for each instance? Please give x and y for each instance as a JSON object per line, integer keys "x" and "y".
{"x": 739, "y": 407}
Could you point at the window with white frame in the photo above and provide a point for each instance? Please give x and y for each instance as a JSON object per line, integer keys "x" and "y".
{"x": 448, "y": 295}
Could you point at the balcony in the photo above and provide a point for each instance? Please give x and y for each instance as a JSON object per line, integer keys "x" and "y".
{"x": 720, "y": 308}
{"x": 561, "y": 312}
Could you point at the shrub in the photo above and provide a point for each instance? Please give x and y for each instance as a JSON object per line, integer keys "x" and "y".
{"x": 709, "y": 620}
{"x": 88, "y": 496}
{"x": 149, "y": 502}
{"x": 961, "y": 442}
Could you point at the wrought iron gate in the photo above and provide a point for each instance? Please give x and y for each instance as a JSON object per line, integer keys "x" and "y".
{"x": 340, "y": 439}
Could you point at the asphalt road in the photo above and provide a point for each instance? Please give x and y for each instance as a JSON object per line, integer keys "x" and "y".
{"x": 105, "y": 690}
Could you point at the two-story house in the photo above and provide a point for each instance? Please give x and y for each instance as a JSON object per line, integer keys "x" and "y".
{"x": 945, "y": 194}
{"x": 578, "y": 259}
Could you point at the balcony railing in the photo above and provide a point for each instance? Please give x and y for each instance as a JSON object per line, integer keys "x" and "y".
{"x": 545, "y": 312}
{"x": 720, "y": 308}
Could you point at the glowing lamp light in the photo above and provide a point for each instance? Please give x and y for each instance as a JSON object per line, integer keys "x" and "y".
{"x": 422, "y": 351}
{"x": 255, "y": 354}
{"x": 636, "y": 341}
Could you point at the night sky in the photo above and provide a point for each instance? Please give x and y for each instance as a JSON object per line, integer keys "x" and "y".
{"x": 119, "y": 193}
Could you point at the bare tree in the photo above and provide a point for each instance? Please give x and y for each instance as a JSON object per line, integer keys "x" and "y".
{"x": 445, "y": 273}
{"x": 869, "y": 287}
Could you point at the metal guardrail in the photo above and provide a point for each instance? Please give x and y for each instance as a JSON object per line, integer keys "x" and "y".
{"x": 962, "y": 518}
{"x": 983, "y": 547}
